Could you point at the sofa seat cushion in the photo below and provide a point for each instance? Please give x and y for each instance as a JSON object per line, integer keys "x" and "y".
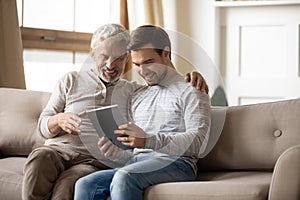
{"x": 216, "y": 186}
{"x": 11, "y": 175}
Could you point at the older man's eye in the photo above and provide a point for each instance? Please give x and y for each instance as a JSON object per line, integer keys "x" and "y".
{"x": 121, "y": 58}
{"x": 103, "y": 57}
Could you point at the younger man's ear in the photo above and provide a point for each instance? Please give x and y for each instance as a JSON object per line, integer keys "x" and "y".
{"x": 127, "y": 57}
{"x": 166, "y": 52}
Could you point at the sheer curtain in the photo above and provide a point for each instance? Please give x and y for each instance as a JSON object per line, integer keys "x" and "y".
{"x": 124, "y": 20}
{"x": 11, "y": 57}
{"x": 141, "y": 12}
{"x": 153, "y": 12}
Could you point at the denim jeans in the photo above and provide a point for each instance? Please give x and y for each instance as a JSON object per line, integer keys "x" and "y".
{"x": 129, "y": 182}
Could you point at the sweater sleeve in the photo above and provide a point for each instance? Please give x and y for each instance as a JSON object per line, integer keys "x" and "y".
{"x": 55, "y": 105}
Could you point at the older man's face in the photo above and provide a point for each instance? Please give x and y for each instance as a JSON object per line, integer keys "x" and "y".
{"x": 110, "y": 57}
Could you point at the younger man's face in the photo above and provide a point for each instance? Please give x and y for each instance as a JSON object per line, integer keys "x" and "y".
{"x": 151, "y": 66}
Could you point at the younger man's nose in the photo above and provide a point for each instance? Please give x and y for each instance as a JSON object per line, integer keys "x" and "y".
{"x": 143, "y": 69}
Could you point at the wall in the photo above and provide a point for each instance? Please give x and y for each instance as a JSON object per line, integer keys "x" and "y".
{"x": 260, "y": 50}
{"x": 193, "y": 23}
{"x": 252, "y": 46}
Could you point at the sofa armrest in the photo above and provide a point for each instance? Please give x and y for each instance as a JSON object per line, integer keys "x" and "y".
{"x": 285, "y": 182}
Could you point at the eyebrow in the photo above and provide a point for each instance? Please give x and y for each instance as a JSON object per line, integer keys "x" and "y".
{"x": 145, "y": 61}
{"x": 103, "y": 54}
{"x": 119, "y": 56}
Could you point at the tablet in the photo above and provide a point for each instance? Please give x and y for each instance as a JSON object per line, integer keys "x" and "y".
{"x": 107, "y": 119}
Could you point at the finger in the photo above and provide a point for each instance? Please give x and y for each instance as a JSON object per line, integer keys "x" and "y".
{"x": 121, "y": 132}
{"x": 75, "y": 132}
{"x": 103, "y": 147}
{"x": 109, "y": 151}
{"x": 81, "y": 114}
{"x": 70, "y": 128}
{"x": 203, "y": 87}
{"x": 73, "y": 122}
{"x": 206, "y": 89}
{"x": 102, "y": 141}
{"x": 116, "y": 152}
{"x": 124, "y": 126}
{"x": 66, "y": 126}
{"x": 73, "y": 125}
{"x": 75, "y": 118}
{"x": 123, "y": 139}
{"x": 187, "y": 77}
{"x": 200, "y": 84}
{"x": 126, "y": 133}
{"x": 127, "y": 126}
{"x": 108, "y": 148}
{"x": 195, "y": 78}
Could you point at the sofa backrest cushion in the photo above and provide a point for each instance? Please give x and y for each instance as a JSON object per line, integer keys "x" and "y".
{"x": 254, "y": 136}
{"x": 19, "y": 113}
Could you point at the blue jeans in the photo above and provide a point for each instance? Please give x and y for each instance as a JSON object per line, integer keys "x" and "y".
{"x": 129, "y": 182}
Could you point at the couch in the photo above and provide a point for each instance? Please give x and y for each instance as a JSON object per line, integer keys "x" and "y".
{"x": 256, "y": 155}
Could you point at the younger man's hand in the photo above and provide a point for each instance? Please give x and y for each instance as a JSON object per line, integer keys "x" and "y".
{"x": 131, "y": 135}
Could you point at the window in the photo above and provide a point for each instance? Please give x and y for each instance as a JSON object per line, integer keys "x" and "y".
{"x": 56, "y": 36}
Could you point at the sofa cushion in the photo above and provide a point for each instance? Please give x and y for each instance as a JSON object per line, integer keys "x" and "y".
{"x": 11, "y": 176}
{"x": 19, "y": 113}
{"x": 216, "y": 186}
{"x": 218, "y": 114}
{"x": 254, "y": 136}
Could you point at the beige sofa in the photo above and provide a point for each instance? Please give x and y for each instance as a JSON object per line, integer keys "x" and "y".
{"x": 257, "y": 156}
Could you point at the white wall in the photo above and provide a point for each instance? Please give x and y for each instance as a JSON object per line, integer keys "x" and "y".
{"x": 193, "y": 18}
{"x": 194, "y": 24}
{"x": 261, "y": 51}
{"x": 222, "y": 30}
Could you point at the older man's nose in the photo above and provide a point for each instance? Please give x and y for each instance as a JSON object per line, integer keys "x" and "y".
{"x": 109, "y": 62}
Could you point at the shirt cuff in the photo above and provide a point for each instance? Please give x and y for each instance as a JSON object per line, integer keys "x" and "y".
{"x": 150, "y": 142}
{"x": 44, "y": 128}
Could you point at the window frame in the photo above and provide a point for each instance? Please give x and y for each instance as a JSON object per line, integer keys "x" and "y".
{"x": 37, "y": 38}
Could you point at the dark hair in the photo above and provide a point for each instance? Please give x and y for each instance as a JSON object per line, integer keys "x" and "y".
{"x": 149, "y": 34}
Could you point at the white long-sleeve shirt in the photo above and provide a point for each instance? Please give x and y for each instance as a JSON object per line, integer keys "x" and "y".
{"x": 176, "y": 118}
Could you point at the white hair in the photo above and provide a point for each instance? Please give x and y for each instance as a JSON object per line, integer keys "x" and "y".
{"x": 108, "y": 31}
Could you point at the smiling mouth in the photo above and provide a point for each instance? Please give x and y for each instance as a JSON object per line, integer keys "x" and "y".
{"x": 149, "y": 77}
{"x": 109, "y": 72}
